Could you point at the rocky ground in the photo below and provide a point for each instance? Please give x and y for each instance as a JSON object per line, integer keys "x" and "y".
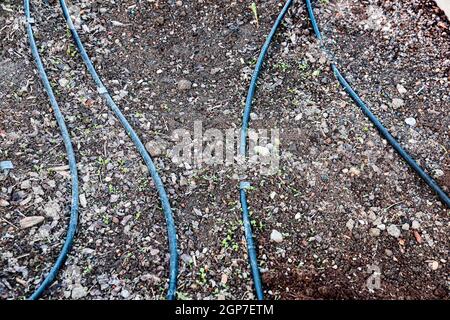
{"x": 341, "y": 205}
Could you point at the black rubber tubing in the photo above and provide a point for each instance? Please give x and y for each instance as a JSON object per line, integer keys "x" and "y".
{"x": 73, "y": 222}
{"x": 383, "y": 131}
{"x": 171, "y": 231}
{"x": 243, "y": 151}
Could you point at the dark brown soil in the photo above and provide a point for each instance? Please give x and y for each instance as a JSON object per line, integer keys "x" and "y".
{"x": 337, "y": 178}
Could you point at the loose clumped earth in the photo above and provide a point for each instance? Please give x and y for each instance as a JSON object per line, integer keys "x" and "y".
{"x": 341, "y": 206}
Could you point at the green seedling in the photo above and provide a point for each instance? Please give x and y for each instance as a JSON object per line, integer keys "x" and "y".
{"x": 202, "y": 274}
{"x": 303, "y": 66}
{"x": 283, "y": 66}
{"x": 71, "y": 51}
{"x": 316, "y": 73}
{"x": 255, "y": 13}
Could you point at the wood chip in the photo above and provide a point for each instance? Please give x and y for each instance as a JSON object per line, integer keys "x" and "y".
{"x": 29, "y": 222}
{"x": 417, "y": 236}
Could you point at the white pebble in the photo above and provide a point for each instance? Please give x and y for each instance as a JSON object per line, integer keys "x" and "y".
{"x": 125, "y": 294}
{"x": 410, "y": 121}
{"x": 276, "y": 236}
{"x": 394, "y": 231}
{"x": 397, "y": 103}
{"x": 401, "y": 89}
{"x": 350, "y": 224}
{"x": 415, "y": 225}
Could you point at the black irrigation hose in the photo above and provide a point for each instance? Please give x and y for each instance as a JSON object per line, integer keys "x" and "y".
{"x": 171, "y": 231}
{"x": 383, "y": 131}
{"x": 243, "y": 152}
{"x": 70, "y": 155}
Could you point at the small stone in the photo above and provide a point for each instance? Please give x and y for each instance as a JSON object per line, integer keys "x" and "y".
{"x": 153, "y": 148}
{"x": 354, "y": 171}
{"x": 114, "y": 198}
{"x": 276, "y": 236}
{"x": 394, "y": 231}
{"x": 405, "y": 226}
{"x": 83, "y": 201}
{"x": 38, "y": 191}
{"x": 381, "y": 226}
{"x": 374, "y": 232}
{"x": 79, "y": 292}
{"x": 88, "y": 251}
{"x": 397, "y": 103}
{"x": 372, "y": 216}
{"x": 438, "y": 173}
{"x": 125, "y": 294}
{"x": 154, "y": 252}
{"x": 25, "y": 185}
{"x": 410, "y": 121}
{"x": 350, "y": 224}
{"x": 224, "y": 279}
{"x": 63, "y": 82}
{"x": 29, "y": 222}
{"x": 4, "y": 203}
{"x": 160, "y": 21}
{"x": 434, "y": 265}
{"x": 215, "y": 71}
{"x": 126, "y": 219}
{"x": 117, "y": 23}
{"x": 184, "y": 84}
{"x": 388, "y": 252}
{"x": 415, "y": 225}
{"x": 186, "y": 258}
{"x": 262, "y": 151}
{"x": 401, "y": 89}
{"x": 52, "y": 209}
{"x": 298, "y": 216}
{"x": 377, "y": 221}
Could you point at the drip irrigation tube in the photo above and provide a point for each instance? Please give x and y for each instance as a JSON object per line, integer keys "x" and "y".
{"x": 243, "y": 151}
{"x": 368, "y": 113}
{"x": 70, "y": 155}
{"x": 171, "y": 231}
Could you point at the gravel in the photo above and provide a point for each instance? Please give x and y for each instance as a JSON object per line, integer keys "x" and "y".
{"x": 337, "y": 179}
{"x": 79, "y": 292}
{"x": 276, "y": 236}
{"x": 398, "y": 103}
{"x": 374, "y": 232}
{"x": 410, "y": 121}
{"x": 415, "y": 225}
{"x": 184, "y": 85}
{"x": 393, "y": 230}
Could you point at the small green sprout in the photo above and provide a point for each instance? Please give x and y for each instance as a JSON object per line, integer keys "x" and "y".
{"x": 255, "y": 13}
